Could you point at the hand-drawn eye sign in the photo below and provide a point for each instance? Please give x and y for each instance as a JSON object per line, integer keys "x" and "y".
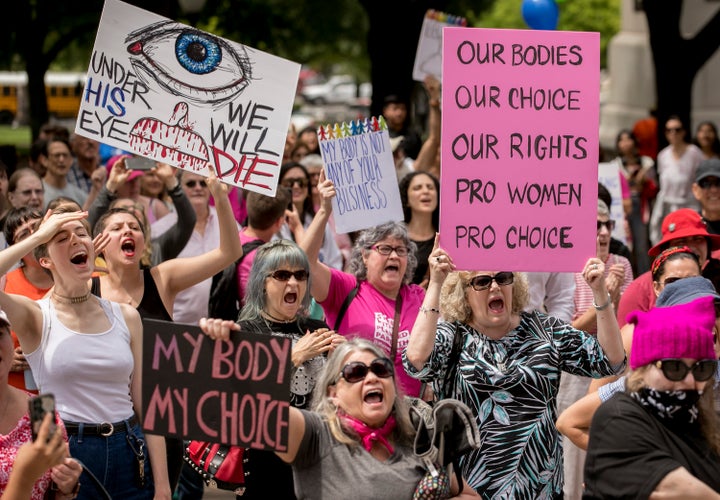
{"x": 205, "y": 69}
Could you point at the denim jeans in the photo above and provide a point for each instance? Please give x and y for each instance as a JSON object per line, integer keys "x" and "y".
{"x": 112, "y": 460}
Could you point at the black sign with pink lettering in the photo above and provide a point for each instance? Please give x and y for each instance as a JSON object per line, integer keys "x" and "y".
{"x": 233, "y": 392}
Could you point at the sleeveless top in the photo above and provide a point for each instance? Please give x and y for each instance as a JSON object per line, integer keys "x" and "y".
{"x": 89, "y": 373}
{"x": 151, "y": 305}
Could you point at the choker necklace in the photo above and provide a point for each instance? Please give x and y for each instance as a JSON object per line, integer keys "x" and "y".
{"x": 277, "y": 320}
{"x": 71, "y": 300}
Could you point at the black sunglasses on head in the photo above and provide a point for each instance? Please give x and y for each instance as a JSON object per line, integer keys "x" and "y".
{"x": 483, "y": 281}
{"x": 676, "y": 369}
{"x": 357, "y": 370}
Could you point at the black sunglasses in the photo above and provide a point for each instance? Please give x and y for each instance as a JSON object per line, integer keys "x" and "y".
{"x": 676, "y": 369}
{"x": 290, "y": 182}
{"x": 483, "y": 281}
{"x": 708, "y": 183}
{"x": 283, "y": 275}
{"x": 193, "y": 183}
{"x": 609, "y": 224}
{"x": 357, "y": 370}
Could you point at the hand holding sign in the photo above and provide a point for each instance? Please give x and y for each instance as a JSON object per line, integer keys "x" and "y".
{"x": 326, "y": 188}
{"x": 218, "y": 329}
{"x": 440, "y": 263}
{"x": 593, "y": 274}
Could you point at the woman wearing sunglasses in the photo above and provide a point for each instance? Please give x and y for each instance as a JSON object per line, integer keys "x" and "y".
{"x": 506, "y": 367}
{"x": 357, "y": 441}
{"x": 676, "y": 165}
{"x": 661, "y": 438}
{"x": 295, "y": 178}
{"x": 278, "y": 300}
{"x": 574, "y": 422}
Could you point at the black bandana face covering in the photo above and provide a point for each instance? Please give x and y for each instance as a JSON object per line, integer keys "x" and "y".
{"x": 670, "y": 407}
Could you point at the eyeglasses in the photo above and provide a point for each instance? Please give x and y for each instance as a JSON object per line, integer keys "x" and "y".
{"x": 357, "y": 370}
{"x": 673, "y": 129}
{"x": 284, "y": 275}
{"x": 483, "y": 281}
{"x": 609, "y": 224}
{"x": 401, "y": 251}
{"x": 708, "y": 182}
{"x": 676, "y": 369}
{"x": 192, "y": 184}
{"x": 290, "y": 182}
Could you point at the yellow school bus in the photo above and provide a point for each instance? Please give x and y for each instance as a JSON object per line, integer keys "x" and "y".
{"x": 63, "y": 91}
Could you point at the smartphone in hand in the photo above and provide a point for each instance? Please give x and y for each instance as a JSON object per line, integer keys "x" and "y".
{"x": 38, "y": 407}
{"x": 139, "y": 163}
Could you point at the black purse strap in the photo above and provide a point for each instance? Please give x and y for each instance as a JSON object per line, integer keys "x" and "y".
{"x": 396, "y": 326}
{"x": 345, "y": 305}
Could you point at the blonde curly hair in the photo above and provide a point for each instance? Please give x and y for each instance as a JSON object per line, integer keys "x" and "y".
{"x": 453, "y": 297}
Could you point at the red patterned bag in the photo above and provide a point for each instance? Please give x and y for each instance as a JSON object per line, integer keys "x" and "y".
{"x": 220, "y": 466}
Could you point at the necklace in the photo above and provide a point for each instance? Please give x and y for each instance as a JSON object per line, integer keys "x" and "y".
{"x": 71, "y": 300}
{"x": 277, "y": 320}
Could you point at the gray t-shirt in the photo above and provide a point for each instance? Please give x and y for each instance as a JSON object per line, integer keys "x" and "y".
{"x": 326, "y": 469}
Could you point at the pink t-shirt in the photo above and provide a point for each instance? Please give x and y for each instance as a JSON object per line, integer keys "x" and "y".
{"x": 370, "y": 316}
{"x": 245, "y": 265}
{"x": 638, "y": 296}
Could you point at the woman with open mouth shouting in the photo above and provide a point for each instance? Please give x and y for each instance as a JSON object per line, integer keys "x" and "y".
{"x": 375, "y": 300}
{"x": 505, "y": 365}
{"x": 357, "y": 442}
{"x": 85, "y": 350}
{"x": 152, "y": 290}
{"x": 278, "y": 301}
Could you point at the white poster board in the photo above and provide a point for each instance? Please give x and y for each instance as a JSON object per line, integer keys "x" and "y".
{"x": 428, "y": 58}
{"x": 186, "y": 97}
{"x": 358, "y": 159}
{"x": 609, "y": 176}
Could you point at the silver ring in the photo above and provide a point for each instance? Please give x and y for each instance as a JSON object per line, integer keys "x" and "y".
{"x": 594, "y": 266}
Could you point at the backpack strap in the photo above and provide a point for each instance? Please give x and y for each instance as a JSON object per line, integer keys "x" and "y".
{"x": 345, "y": 305}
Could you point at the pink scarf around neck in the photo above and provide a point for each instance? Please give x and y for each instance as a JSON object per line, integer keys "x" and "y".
{"x": 369, "y": 434}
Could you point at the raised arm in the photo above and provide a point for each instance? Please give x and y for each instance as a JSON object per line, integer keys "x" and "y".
{"x": 172, "y": 241}
{"x": 155, "y": 444}
{"x": 176, "y": 275}
{"x": 24, "y": 314}
{"x": 426, "y": 158}
{"x": 422, "y": 337}
{"x": 607, "y": 325}
{"x": 313, "y": 240}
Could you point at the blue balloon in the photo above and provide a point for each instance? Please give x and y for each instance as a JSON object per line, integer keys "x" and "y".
{"x": 540, "y": 14}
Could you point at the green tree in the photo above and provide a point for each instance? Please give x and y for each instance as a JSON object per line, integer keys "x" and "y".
{"x": 602, "y": 16}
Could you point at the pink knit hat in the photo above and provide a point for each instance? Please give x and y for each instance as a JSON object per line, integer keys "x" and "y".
{"x": 682, "y": 331}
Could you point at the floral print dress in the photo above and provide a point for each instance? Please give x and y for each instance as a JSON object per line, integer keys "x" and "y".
{"x": 511, "y": 384}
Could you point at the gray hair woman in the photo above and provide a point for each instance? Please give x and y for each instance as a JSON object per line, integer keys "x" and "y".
{"x": 277, "y": 302}
{"x": 375, "y": 300}
{"x": 358, "y": 440}
{"x": 505, "y": 365}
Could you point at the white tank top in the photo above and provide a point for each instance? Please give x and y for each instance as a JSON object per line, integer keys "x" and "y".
{"x": 89, "y": 373}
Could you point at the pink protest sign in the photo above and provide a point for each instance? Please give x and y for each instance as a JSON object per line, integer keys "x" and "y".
{"x": 519, "y": 148}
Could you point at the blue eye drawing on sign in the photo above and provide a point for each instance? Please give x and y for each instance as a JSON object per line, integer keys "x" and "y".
{"x": 189, "y": 63}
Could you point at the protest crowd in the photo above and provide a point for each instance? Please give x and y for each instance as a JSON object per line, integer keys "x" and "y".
{"x": 598, "y": 383}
